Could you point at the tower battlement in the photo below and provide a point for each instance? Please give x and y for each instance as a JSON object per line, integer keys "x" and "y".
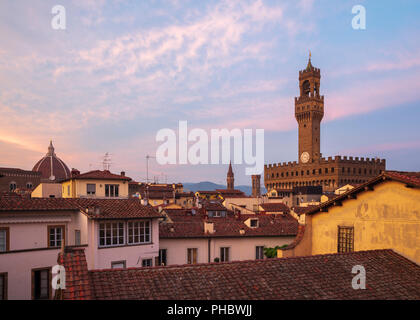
{"x": 330, "y": 160}
{"x": 312, "y": 70}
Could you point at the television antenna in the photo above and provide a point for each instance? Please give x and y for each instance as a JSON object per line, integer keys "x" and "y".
{"x": 106, "y": 162}
{"x": 147, "y": 166}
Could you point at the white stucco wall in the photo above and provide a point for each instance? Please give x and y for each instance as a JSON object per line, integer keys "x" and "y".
{"x": 240, "y": 248}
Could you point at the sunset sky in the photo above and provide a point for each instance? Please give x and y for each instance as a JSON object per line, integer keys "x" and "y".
{"x": 122, "y": 70}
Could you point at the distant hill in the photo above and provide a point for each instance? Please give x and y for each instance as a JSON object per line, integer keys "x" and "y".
{"x": 208, "y": 186}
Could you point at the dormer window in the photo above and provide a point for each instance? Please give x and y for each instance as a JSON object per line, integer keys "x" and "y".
{"x": 253, "y": 223}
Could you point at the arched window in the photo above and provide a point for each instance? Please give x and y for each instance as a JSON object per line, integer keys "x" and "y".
{"x": 306, "y": 88}
{"x": 29, "y": 185}
{"x": 12, "y": 186}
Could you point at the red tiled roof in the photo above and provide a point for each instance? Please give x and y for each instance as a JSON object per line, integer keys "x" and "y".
{"x": 116, "y": 208}
{"x": 77, "y": 275}
{"x": 157, "y": 194}
{"x": 10, "y": 195}
{"x": 275, "y": 207}
{"x": 302, "y": 210}
{"x": 213, "y": 206}
{"x": 36, "y": 204}
{"x": 319, "y": 277}
{"x": 101, "y": 175}
{"x": 186, "y": 225}
{"x": 19, "y": 172}
{"x": 108, "y": 208}
{"x": 411, "y": 179}
{"x": 208, "y": 192}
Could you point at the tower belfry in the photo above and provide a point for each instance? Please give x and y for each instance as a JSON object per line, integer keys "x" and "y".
{"x": 309, "y": 111}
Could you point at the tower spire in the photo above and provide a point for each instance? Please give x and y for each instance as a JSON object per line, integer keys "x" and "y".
{"x": 230, "y": 178}
{"x": 309, "y": 66}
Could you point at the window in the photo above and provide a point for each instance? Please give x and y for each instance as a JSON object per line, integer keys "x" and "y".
{"x": 77, "y": 238}
{"x": 111, "y": 190}
{"x": 139, "y": 232}
{"x": 345, "y": 239}
{"x": 259, "y": 252}
{"x": 29, "y": 185}
{"x": 55, "y": 236}
{"x": 68, "y": 191}
{"x": 41, "y": 280}
{"x": 4, "y": 239}
{"x": 253, "y": 223}
{"x": 91, "y": 188}
{"x": 147, "y": 263}
{"x": 3, "y": 286}
{"x": 12, "y": 186}
{"x": 224, "y": 254}
{"x": 118, "y": 264}
{"x": 111, "y": 234}
{"x": 192, "y": 255}
{"x": 162, "y": 260}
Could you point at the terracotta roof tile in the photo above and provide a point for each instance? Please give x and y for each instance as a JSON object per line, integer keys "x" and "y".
{"x": 275, "y": 207}
{"x": 329, "y": 276}
{"x": 108, "y": 208}
{"x": 186, "y": 225}
{"x": 77, "y": 276}
{"x": 100, "y": 174}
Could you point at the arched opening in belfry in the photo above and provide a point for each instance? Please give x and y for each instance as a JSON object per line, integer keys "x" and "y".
{"x": 306, "y": 88}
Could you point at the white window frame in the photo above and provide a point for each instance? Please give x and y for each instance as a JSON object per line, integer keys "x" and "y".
{"x": 90, "y": 192}
{"x": 5, "y": 232}
{"x": 114, "y": 188}
{"x": 140, "y": 226}
{"x": 118, "y": 264}
{"x": 115, "y": 232}
{"x": 253, "y": 220}
{"x": 224, "y": 249}
{"x": 56, "y": 242}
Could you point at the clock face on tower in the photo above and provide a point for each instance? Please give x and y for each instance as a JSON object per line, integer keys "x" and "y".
{"x": 304, "y": 157}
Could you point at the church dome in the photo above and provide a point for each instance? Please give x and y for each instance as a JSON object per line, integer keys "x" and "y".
{"x": 51, "y": 167}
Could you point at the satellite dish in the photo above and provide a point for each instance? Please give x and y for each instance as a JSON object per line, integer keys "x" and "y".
{"x": 52, "y": 177}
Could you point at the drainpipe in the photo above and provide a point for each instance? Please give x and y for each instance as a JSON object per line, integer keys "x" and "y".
{"x": 208, "y": 250}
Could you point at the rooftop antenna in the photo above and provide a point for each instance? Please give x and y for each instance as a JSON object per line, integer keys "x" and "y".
{"x": 106, "y": 162}
{"x": 147, "y": 166}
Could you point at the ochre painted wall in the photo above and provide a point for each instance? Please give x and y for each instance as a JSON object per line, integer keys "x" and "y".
{"x": 78, "y": 188}
{"x": 388, "y": 217}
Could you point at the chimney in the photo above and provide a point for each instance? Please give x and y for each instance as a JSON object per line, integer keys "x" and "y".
{"x": 123, "y": 173}
{"x": 208, "y": 227}
{"x": 74, "y": 172}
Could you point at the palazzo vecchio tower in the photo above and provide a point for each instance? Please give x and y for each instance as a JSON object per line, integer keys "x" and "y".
{"x": 312, "y": 169}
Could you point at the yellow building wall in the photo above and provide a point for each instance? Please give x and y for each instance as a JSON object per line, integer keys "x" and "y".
{"x": 37, "y": 192}
{"x": 78, "y": 188}
{"x": 386, "y": 218}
